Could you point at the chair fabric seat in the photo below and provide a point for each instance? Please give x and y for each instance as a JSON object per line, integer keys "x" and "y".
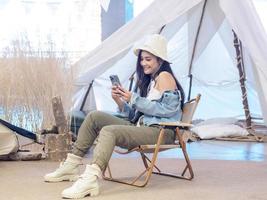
{"x": 151, "y": 148}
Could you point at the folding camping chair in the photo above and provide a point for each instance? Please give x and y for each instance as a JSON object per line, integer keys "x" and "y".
{"x": 150, "y": 167}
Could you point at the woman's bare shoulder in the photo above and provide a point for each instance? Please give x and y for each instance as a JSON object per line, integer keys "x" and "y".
{"x": 164, "y": 75}
{"x": 165, "y": 81}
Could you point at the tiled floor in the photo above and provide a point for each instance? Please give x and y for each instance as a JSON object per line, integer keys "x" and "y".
{"x": 225, "y": 150}
{"x": 218, "y": 150}
{"x": 215, "y": 150}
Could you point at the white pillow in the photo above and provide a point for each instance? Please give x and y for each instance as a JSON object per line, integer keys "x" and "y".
{"x": 218, "y": 130}
{"x": 219, "y": 120}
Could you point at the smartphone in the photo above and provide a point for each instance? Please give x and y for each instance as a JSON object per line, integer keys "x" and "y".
{"x": 115, "y": 80}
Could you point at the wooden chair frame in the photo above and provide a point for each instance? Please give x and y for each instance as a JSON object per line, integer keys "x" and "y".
{"x": 150, "y": 165}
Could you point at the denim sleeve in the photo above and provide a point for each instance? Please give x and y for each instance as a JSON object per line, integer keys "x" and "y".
{"x": 155, "y": 108}
{"x": 126, "y": 109}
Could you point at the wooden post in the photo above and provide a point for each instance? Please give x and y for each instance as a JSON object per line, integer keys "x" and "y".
{"x": 58, "y": 145}
{"x": 240, "y": 66}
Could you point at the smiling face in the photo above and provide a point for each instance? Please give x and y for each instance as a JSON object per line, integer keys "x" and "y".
{"x": 150, "y": 63}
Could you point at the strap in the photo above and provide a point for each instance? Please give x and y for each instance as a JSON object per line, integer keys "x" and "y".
{"x": 19, "y": 130}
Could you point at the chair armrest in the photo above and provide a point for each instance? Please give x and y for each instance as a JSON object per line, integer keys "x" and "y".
{"x": 177, "y": 124}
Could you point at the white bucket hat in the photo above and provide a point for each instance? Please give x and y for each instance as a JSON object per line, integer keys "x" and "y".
{"x": 155, "y": 44}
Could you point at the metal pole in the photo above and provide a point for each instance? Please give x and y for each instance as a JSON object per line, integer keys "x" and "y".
{"x": 194, "y": 49}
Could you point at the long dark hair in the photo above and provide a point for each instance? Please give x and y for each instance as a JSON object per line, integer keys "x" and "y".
{"x": 143, "y": 79}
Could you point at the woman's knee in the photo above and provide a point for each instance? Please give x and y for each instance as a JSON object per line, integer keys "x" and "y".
{"x": 93, "y": 117}
{"x": 114, "y": 133}
{"x": 108, "y": 130}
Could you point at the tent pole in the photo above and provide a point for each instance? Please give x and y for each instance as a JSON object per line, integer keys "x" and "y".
{"x": 86, "y": 95}
{"x": 241, "y": 70}
{"x": 194, "y": 49}
{"x": 161, "y": 29}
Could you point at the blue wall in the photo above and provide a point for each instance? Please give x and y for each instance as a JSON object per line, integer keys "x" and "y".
{"x": 119, "y": 12}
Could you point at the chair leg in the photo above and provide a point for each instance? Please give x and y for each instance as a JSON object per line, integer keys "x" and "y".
{"x": 188, "y": 166}
{"x": 188, "y": 163}
{"x": 147, "y": 172}
{"x": 109, "y": 171}
{"x": 150, "y": 165}
{"x": 154, "y": 157}
{"x": 145, "y": 159}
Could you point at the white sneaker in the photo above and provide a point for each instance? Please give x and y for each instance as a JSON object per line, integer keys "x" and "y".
{"x": 87, "y": 184}
{"x": 67, "y": 171}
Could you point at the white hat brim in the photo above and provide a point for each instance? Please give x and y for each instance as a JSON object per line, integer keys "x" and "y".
{"x": 150, "y": 50}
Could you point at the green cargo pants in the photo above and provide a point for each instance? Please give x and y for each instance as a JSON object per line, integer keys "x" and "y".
{"x": 113, "y": 131}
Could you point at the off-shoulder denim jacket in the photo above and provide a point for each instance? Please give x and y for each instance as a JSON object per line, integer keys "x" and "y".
{"x": 165, "y": 109}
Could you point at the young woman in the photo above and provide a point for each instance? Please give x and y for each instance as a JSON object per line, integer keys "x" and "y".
{"x": 160, "y": 98}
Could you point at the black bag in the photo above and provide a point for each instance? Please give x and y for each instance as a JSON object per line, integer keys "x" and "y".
{"x": 134, "y": 116}
{"x": 77, "y": 118}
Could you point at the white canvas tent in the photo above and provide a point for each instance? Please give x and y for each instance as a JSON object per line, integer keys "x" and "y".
{"x": 8, "y": 141}
{"x": 214, "y": 72}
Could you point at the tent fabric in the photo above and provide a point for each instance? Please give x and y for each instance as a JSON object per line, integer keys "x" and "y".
{"x": 100, "y": 59}
{"x": 8, "y": 141}
{"x": 214, "y": 70}
{"x": 254, "y": 38}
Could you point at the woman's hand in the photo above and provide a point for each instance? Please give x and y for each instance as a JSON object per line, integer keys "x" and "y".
{"x": 117, "y": 97}
{"x": 115, "y": 93}
{"x": 124, "y": 94}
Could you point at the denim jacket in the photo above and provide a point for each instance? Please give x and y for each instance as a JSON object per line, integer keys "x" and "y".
{"x": 165, "y": 109}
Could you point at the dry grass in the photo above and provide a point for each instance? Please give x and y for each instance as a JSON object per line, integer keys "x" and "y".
{"x": 27, "y": 85}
